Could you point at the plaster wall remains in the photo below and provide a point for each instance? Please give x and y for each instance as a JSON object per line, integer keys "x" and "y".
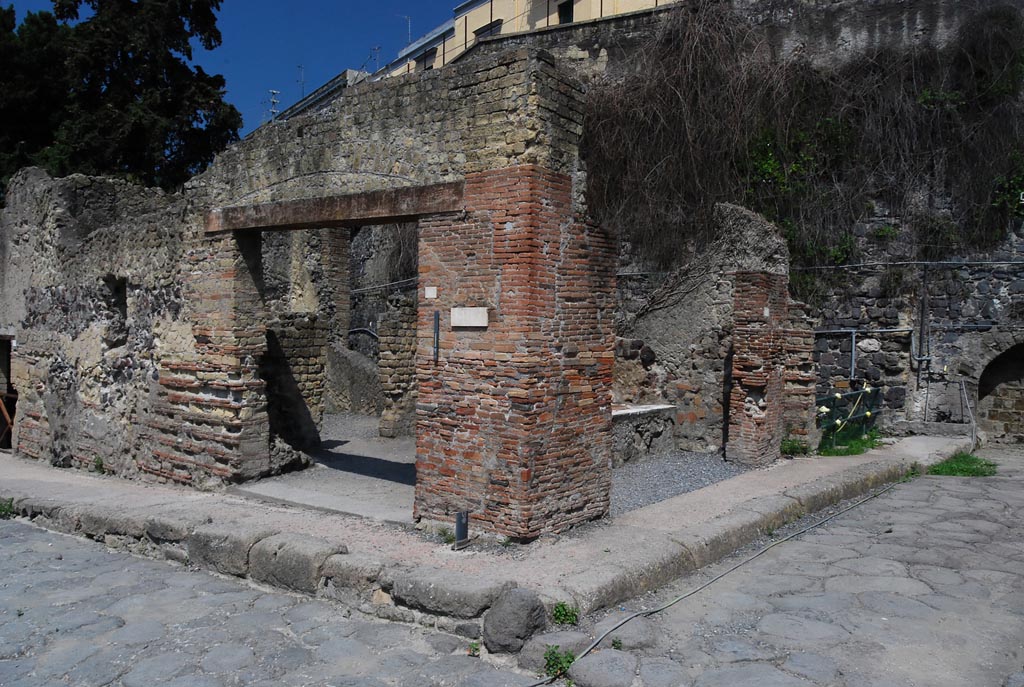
{"x": 93, "y": 291}
{"x": 675, "y": 331}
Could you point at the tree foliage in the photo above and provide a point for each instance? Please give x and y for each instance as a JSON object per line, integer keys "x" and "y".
{"x": 108, "y": 87}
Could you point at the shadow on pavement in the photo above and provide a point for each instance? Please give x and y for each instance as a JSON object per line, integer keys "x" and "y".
{"x": 391, "y": 471}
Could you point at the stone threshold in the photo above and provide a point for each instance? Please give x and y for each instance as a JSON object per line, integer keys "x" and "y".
{"x": 395, "y": 574}
{"x": 630, "y": 410}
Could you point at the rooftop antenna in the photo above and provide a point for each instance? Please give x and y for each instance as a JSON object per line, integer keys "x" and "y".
{"x": 408, "y": 23}
{"x": 376, "y": 60}
{"x": 274, "y": 102}
{"x": 302, "y": 80}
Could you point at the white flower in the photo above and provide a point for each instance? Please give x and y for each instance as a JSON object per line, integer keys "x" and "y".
{"x": 824, "y": 409}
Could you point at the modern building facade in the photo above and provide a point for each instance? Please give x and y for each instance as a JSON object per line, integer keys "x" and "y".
{"x": 478, "y": 19}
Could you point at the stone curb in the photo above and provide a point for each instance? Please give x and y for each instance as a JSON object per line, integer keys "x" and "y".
{"x": 451, "y": 601}
{"x": 707, "y": 543}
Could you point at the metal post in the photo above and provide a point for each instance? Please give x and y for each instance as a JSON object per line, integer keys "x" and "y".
{"x": 853, "y": 355}
{"x": 437, "y": 336}
{"x": 923, "y": 315}
{"x": 461, "y": 530}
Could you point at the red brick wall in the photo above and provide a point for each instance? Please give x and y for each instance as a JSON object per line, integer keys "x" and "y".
{"x": 800, "y": 376}
{"x": 756, "y": 401}
{"x": 514, "y": 421}
{"x": 208, "y": 414}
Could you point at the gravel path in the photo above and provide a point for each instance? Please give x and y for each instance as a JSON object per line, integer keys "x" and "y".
{"x": 640, "y": 484}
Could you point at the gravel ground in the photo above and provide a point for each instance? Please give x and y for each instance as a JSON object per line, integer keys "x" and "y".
{"x": 634, "y": 485}
{"x": 640, "y": 484}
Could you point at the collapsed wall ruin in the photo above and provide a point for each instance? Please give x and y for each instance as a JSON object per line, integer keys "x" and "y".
{"x": 158, "y": 337}
{"x": 199, "y": 337}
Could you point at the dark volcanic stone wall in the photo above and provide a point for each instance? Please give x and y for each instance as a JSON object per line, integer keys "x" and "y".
{"x": 97, "y": 264}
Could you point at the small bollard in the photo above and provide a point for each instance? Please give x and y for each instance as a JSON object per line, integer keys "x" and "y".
{"x": 461, "y": 530}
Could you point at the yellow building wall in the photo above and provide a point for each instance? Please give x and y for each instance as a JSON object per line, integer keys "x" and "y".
{"x": 519, "y": 16}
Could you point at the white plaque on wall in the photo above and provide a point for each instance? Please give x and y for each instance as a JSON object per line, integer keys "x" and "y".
{"x": 469, "y": 317}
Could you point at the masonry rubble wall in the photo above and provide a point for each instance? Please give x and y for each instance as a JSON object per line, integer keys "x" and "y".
{"x": 397, "y": 366}
{"x": 93, "y": 291}
{"x": 972, "y": 313}
{"x": 147, "y": 344}
{"x": 824, "y": 32}
{"x": 675, "y": 331}
{"x": 1001, "y": 414}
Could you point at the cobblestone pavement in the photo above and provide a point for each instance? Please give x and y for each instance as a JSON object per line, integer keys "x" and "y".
{"x": 923, "y": 586}
{"x": 73, "y": 613}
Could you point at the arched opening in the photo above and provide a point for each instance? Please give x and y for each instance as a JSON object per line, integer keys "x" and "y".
{"x": 1001, "y": 396}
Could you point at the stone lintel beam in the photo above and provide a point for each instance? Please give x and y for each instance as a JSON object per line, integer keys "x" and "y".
{"x": 389, "y": 206}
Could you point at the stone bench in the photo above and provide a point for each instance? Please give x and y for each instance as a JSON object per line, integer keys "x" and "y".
{"x": 641, "y": 431}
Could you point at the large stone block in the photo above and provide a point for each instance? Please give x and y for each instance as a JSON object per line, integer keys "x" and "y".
{"x": 225, "y": 547}
{"x": 293, "y": 561}
{"x": 446, "y": 592}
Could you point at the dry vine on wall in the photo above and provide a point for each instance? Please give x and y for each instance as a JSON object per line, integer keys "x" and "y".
{"x": 705, "y": 113}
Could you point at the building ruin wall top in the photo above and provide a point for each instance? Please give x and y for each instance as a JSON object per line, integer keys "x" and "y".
{"x": 506, "y": 109}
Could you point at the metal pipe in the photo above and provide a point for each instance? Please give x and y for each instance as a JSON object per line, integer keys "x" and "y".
{"x": 913, "y": 345}
{"x": 909, "y": 263}
{"x": 461, "y": 530}
{"x": 853, "y": 355}
{"x": 903, "y": 330}
{"x": 364, "y": 330}
{"x": 970, "y": 411}
{"x": 378, "y": 287}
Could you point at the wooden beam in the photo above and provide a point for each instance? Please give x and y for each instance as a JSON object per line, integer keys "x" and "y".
{"x": 389, "y": 206}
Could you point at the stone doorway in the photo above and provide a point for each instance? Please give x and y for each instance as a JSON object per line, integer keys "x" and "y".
{"x": 339, "y": 366}
{"x": 513, "y": 347}
{"x": 1001, "y": 396}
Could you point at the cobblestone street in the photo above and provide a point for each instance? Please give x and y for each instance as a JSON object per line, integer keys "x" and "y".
{"x": 921, "y": 587}
{"x": 72, "y": 613}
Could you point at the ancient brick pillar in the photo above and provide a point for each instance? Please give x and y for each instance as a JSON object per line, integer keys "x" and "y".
{"x": 756, "y": 400}
{"x": 208, "y": 416}
{"x": 800, "y": 376}
{"x": 514, "y": 413}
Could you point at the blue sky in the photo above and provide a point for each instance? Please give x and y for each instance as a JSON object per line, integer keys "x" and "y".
{"x": 265, "y": 41}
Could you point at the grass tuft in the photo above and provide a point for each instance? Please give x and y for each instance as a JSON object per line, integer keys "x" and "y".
{"x": 564, "y": 614}
{"x": 964, "y": 464}
{"x": 849, "y": 444}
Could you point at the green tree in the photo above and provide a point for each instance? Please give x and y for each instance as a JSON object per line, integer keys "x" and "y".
{"x": 33, "y": 88}
{"x": 133, "y": 104}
